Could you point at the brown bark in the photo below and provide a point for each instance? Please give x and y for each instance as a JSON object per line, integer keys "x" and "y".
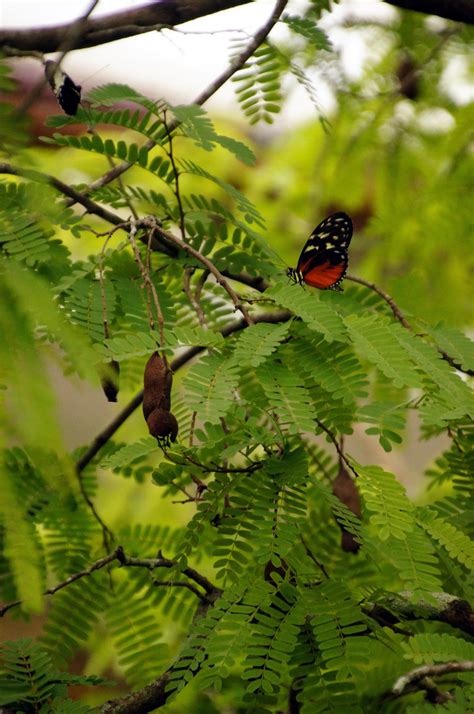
{"x": 116, "y": 26}
{"x": 458, "y": 10}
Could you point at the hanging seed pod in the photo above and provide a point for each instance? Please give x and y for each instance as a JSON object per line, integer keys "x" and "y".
{"x": 157, "y": 385}
{"x": 110, "y": 379}
{"x": 345, "y": 489}
{"x": 162, "y": 425}
{"x": 408, "y": 77}
{"x": 158, "y": 380}
{"x": 67, "y": 92}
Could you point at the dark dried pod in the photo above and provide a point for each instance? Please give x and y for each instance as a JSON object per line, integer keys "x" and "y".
{"x": 67, "y": 92}
{"x": 158, "y": 380}
{"x": 162, "y": 425}
{"x": 345, "y": 489}
{"x": 110, "y": 379}
{"x": 408, "y": 77}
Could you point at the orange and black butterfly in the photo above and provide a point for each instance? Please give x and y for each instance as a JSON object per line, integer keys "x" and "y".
{"x": 324, "y": 259}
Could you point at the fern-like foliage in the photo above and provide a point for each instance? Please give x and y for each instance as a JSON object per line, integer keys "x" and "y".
{"x": 259, "y": 85}
{"x": 29, "y": 680}
{"x": 136, "y": 635}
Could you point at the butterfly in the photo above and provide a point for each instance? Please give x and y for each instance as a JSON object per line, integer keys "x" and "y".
{"x": 67, "y": 92}
{"x": 324, "y": 259}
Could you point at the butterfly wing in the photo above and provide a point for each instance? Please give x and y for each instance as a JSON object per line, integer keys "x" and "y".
{"x": 324, "y": 259}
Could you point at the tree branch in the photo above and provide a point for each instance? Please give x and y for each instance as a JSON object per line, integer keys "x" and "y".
{"x": 457, "y": 10}
{"x": 116, "y": 26}
{"x": 212, "y": 592}
{"x": 447, "y": 608}
{"x": 71, "y": 579}
{"x": 416, "y": 676}
{"x": 159, "y": 243}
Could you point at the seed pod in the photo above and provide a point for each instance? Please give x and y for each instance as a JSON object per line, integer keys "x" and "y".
{"x": 162, "y": 425}
{"x": 110, "y": 379}
{"x": 157, "y": 385}
{"x": 408, "y": 77}
{"x": 345, "y": 489}
{"x": 67, "y": 92}
{"x": 158, "y": 380}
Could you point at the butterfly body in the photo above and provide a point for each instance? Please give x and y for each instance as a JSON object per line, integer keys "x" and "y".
{"x": 324, "y": 259}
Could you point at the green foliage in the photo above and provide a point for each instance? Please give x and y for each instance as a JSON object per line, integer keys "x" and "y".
{"x": 136, "y": 635}
{"x": 259, "y": 85}
{"x": 29, "y": 681}
{"x": 234, "y": 576}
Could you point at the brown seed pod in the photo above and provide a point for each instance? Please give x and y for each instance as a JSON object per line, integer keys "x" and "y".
{"x": 162, "y": 425}
{"x": 110, "y": 379}
{"x": 345, "y": 489}
{"x": 157, "y": 385}
{"x": 158, "y": 380}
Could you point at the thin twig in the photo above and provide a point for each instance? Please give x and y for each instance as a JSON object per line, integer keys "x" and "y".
{"x": 397, "y": 313}
{"x": 337, "y": 446}
{"x": 149, "y": 285}
{"x": 179, "y": 584}
{"x": 311, "y": 555}
{"x": 170, "y": 153}
{"x": 193, "y": 298}
{"x": 159, "y": 243}
{"x": 161, "y": 562}
{"x": 101, "y": 563}
{"x": 103, "y": 297}
{"x": 107, "y": 535}
{"x": 150, "y": 563}
{"x": 254, "y": 466}
{"x": 192, "y": 427}
{"x": 208, "y": 264}
{"x": 120, "y": 182}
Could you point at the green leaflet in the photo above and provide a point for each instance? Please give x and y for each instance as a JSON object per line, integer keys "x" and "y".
{"x": 288, "y": 396}
{"x": 258, "y": 85}
{"x": 27, "y": 675}
{"x": 450, "y": 388}
{"x": 455, "y": 343}
{"x": 136, "y": 634}
{"x": 21, "y": 547}
{"x": 210, "y": 385}
{"x": 426, "y": 648}
{"x": 457, "y": 543}
{"x": 385, "y": 498}
{"x": 257, "y": 343}
{"x": 334, "y": 366}
{"x": 318, "y": 316}
{"x": 129, "y": 453}
{"x": 376, "y": 340}
{"x": 196, "y": 124}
